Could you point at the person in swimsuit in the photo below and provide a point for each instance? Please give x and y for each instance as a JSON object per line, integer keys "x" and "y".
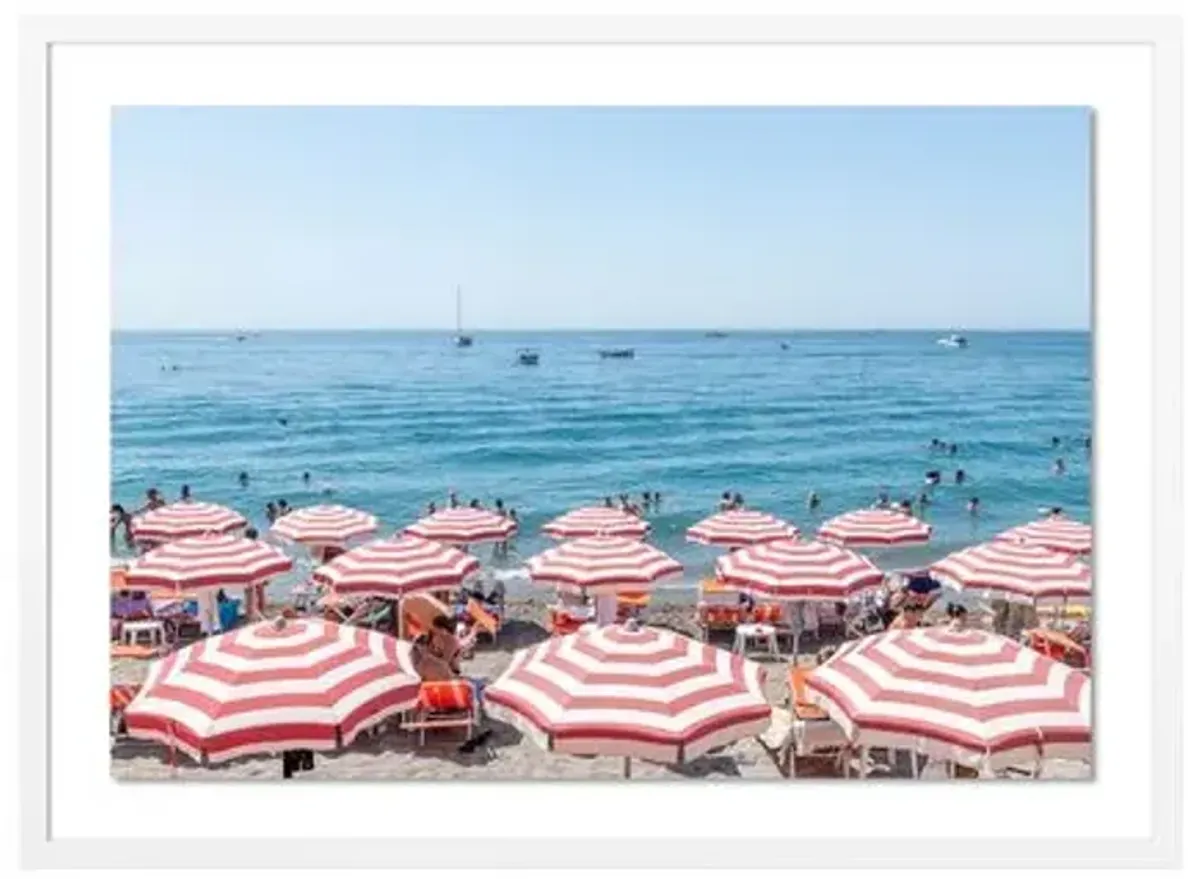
{"x": 436, "y": 652}
{"x": 118, "y": 518}
{"x": 154, "y": 500}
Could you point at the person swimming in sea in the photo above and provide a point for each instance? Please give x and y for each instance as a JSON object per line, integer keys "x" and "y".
{"x": 814, "y": 501}
{"x": 657, "y": 499}
{"x": 936, "y": 445}
{"x": 882, "y": 502}
{"x": 118, "y": 518}
{"x": 973, "y": 506}
{"x": 739, "y": 502}
{"x": 960, "y": 476}
{"x": 453, "y": 500}
{"x": 1060, "y": 467}
{"x": 933, "y": 477}
{"x": 500, "y": 548}
{"x": 922, "y": 501}
{"x": 282, "y": 422}
{"x": 608, "y": 501}
{"x": 953, "y": 448}
{"x": 726, "y": 501}
{"x": 154, "y": 500}
{"x": 185, "y": 493}
{"x": 306, "y": 478}
{"x": 431, "y": 509}
{"x": 243, "y": 479}
{"x": 1055, "y": 442}
{"x": 272, "y": 512}
{"x": 905, "y": 506}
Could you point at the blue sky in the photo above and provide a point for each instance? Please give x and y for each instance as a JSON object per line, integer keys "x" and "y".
{"x": 564, "y": 218}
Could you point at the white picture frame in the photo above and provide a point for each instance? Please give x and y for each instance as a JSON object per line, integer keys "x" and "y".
{"x": 45, "y": 843}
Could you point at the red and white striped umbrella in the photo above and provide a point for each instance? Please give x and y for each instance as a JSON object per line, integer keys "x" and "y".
{"x": 796, "y": 570}
{"x": 643, "y": 693}
{"x": 276, "y": 686}
{"x": 972, "y": 697}
{"x": 1019, "y": 572}
{"x": 602, "y": 564}
{"x": 461, "y": 526}
{"x": 185, "y": 519}
{"x": 396, "y": 566}
{"x": 325, "y": 525}
{"x": 597, "y": 522}
{"x": 875, "y": 528}
{"x": 734, "y": 528}
{"x": 212, "y": 562}
{"x": 1054, "y": 532}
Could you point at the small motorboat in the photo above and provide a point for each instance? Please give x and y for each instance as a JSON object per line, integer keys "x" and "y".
{"x": 527, "y": 358}
{"x": 785, "y": 346}
{"x": 953, "y": 341}
{"x": 616, "y": 353}
{"x": 715, "y": 334}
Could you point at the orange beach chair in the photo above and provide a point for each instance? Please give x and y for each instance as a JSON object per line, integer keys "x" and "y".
{"x": 443, "y": 705}
{"x": 119, "y": 697}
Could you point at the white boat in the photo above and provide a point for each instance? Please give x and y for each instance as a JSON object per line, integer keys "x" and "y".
{"x": 459, "y": 339}
{"x": 953, "y": 341}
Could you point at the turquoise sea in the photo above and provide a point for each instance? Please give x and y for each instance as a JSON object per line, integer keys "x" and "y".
{"x": 389, "y": 421}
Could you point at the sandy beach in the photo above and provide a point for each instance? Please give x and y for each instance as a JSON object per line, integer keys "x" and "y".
{"x": 395, "y": 755}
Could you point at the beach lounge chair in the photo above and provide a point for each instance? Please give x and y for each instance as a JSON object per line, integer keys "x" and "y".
{"x": 443, "y": 705}
{"x": 481, "y": 620}
{"x": 766, "y": 614}
{"x": 559, "y": 622}
{"x": 631, "y": 604}
{"x": 119, "y": 697}
{"x": 814, "y": 736}
{"x": 717, "y": 618}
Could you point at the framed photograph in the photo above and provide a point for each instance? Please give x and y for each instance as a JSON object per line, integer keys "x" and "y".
{"x": 574, "y": 416}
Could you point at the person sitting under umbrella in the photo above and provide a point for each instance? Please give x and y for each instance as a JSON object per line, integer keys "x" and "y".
{"x": 957, "y": 615}
{"x": 922, "y": 589}
{"x": 911, "y": 616}
{"x": 437, "y": 653}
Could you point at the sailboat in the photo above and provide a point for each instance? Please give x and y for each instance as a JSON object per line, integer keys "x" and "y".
{"x": 459, "y": 339}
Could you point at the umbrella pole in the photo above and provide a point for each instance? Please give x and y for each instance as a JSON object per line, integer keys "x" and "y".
{"x": 862, "y": 762}
{"x": 628, "y": 767}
